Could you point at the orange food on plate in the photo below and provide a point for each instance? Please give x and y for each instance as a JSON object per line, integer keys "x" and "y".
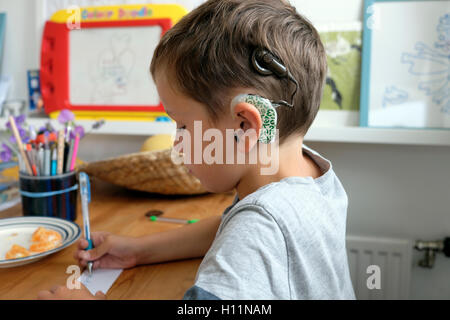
{"x": 42, "y": 234}
{"x": 42, "y": 246}
{"x": 44, "y": 240}
{"x": 16, "y": 252}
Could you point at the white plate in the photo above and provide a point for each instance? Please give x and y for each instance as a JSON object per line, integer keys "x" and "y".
{"x": 19, "y": 230}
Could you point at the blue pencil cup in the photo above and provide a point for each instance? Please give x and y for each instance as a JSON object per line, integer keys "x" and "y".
{"x": 49, "y": 196}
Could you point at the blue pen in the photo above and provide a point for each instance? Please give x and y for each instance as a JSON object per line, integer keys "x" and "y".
{"x": 85, "y": 192}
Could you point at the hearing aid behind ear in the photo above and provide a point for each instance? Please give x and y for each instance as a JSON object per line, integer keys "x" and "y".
{"x": 266, "y": 64}
{"x": 267, "y": 112}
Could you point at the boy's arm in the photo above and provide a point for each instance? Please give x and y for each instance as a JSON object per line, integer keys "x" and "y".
{"x": 190, "y": 241}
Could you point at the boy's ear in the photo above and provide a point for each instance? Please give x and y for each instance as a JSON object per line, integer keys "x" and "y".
{"x": 260, "y": 114}
{"x": 247, "y": 123}
{"x": 246, "y": 117}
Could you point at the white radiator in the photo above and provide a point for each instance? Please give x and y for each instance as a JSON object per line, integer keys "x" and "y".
{"x": 393, "y": 257}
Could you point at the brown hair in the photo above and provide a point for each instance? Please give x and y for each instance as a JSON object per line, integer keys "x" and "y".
{"x": 208, "y": 52}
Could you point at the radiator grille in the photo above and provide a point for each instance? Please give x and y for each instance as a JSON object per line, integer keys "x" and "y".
{"x": 394, "y": 259}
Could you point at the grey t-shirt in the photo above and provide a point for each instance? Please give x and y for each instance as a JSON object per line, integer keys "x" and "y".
{"x": 286, "y": 240}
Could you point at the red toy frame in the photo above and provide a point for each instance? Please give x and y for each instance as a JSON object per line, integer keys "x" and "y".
{"x": 54, "y": 74}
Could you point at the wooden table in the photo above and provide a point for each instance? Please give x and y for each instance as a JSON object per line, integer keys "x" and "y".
{"x": 121, "y": 212}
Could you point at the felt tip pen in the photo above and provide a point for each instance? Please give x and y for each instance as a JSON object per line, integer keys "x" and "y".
{"x": 41, "y": 161}
{"x": 31, "y": 159}
{"x": 35, "y": 154}
{"x": 70, "y": 155}
{"x": 155, "y": 218}
{"x": 74, "y": 153}
{"x": 47, "y": 161}
{"x": 66, "y": 146}
{"x": 54, "y": 161}
{"x": 85, "y": 193}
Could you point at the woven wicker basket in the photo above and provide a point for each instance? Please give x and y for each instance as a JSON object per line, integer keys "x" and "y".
{"x": 152, "y": 171}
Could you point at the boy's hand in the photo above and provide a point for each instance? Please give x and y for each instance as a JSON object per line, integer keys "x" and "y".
{"x": 64, "y": 293}
{"x": 110, "y": 251}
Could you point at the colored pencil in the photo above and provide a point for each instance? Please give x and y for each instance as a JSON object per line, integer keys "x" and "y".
{"x": 20, "y": 145}
{"x": 60, "y": 152}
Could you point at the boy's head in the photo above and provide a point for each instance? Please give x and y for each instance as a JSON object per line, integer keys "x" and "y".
{"x": 206, "y": 59}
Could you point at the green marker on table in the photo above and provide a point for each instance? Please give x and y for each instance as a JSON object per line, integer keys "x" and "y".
{"x": 155, "y": 218}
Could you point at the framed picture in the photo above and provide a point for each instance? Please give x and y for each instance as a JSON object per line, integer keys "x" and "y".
{"x": 405, "y": 79}
{"x": 341, "y": 94}
{"x": 2, "y": 33}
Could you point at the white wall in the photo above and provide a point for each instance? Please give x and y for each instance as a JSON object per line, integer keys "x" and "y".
{"x": 395, "y": 191}
{"x": 324, "y": 11}
{"x": 400, "y": 192}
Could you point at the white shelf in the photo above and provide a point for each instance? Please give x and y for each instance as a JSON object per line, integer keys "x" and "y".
{"x": 429, "y": 137}
{"x": 320, "y": 134}
{"x": 136, "y": 128}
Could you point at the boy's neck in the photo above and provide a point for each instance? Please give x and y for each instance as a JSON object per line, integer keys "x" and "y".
{"x": 292, "y": 163}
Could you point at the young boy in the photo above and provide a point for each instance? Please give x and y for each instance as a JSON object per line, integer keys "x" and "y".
{"x": 284, "y": 235}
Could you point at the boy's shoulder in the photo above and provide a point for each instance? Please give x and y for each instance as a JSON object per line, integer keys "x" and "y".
{"x": 290, "y": 197}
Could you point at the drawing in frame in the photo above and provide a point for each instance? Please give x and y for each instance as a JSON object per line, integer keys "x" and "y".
{"x": 405, "y": 80}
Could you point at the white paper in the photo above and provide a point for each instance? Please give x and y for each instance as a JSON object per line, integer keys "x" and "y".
{"x": 100, "y": 279}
